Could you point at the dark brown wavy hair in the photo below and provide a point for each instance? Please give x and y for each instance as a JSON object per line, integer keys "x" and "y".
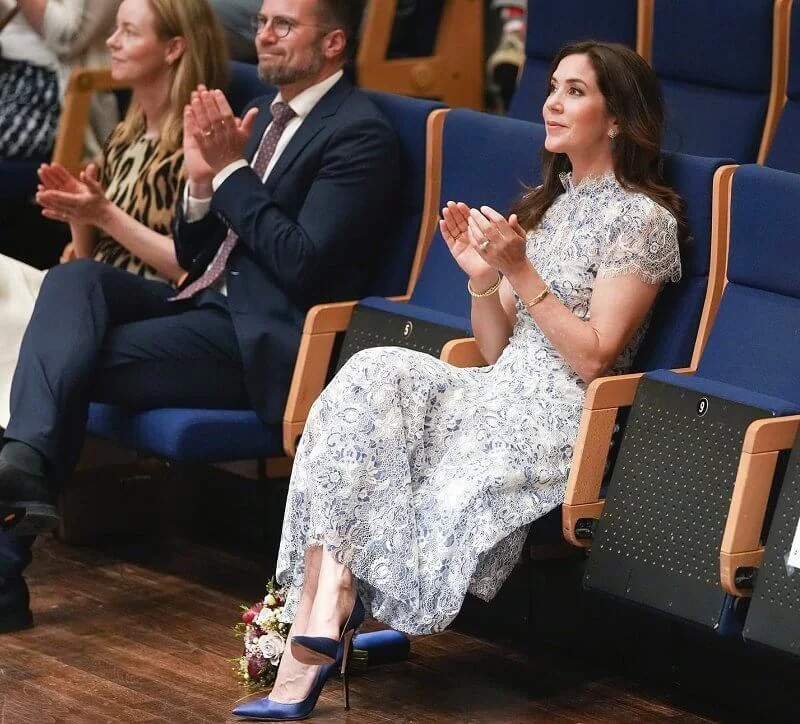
{"x": 633, "y": 96}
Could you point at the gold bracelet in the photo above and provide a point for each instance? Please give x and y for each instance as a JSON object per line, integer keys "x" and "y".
{"x": 488, "y": 293}
{"x": 538, "y": 298}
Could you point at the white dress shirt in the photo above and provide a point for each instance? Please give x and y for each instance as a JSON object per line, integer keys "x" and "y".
{"x": 302, "y": 105}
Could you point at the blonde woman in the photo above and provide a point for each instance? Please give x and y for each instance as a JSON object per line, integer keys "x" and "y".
{"x": 120, "y": 211}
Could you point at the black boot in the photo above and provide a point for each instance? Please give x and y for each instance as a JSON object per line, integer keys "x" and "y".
{"x": 15, "y": 612}
{"x": 26, "y": 503}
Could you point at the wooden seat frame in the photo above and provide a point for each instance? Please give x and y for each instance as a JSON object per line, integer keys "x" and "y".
{"x": 453, "y": 74}
{"x": 607, "y": 395}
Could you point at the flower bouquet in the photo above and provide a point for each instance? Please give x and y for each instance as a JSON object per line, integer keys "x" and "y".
{"x": 264, "y": 636}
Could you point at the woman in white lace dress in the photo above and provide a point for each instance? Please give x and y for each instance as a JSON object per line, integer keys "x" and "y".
{"x": 415, "y": 481}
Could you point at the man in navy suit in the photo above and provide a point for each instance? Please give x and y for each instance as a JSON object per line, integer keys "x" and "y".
{"x": 284, "y": 208}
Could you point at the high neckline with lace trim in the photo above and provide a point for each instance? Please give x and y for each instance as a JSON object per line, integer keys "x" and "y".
{"x": 587, "y": 183}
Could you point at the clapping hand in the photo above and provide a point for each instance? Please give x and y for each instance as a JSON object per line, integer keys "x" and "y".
{"x": 74, "y": 201}
{"x": 499, "y": 242}
{"x": 56, "y": 178}
{"x": 213, "y": 136}
{"x": 454, "y": 226}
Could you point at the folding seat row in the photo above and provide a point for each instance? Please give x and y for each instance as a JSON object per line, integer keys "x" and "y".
{"x": 434, "y": 314}
{"x": 701, "y": 492}
{"x": 722, "y": 64}
{"x": 503, "y": 152}
{"x": 502, "y": 155}
{"x": 460, "y": 155}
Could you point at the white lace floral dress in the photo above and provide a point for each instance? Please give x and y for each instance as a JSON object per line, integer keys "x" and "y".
{"x": 422, "y": 477}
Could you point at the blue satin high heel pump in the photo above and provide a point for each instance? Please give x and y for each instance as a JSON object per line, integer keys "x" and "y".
{"x": 267, "y": 710}
{"x": 318, "y": 650}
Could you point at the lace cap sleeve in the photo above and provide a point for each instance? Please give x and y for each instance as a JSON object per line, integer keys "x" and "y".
{"x": 643, "y": 241}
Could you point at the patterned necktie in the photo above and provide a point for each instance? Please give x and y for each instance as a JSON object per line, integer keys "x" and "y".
{"x": 282, "y": 113}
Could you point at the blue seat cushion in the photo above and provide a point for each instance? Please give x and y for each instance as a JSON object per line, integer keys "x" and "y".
{"x": 188, "y": 435}
{"x": 414, "y": 311}
{"x": 712, "y": 388}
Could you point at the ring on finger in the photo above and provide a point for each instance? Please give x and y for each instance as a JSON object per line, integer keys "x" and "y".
{"x": 484, "y": 245}
{"x": 208, "y": 133}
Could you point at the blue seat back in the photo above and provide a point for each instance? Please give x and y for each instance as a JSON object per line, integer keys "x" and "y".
{"x": 486, "y": 160}
{"x": 673, "y": 327}
{"x": 785, "y": 150}
{"x": 551, "y": 26}
{"x": 755, "y": 340}
{"x": 714, "y": 59}
{"x": 409, "y": 118}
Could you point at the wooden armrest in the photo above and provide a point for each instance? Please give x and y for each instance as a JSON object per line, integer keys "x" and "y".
{"x": 83, "y": 83}
{"x": 741, "y": 541}
{"x": 619, "y": 390}
{"x": 323, "y": 323}
{"x": 325, "y": 318}
{"x": 604, "y": 398}
{"x": 334, "y": 317}
{"x": 462, "y": 353}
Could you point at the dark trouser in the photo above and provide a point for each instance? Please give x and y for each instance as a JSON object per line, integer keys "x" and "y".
{"x": 15, "y": 555}
{"x": 102, "y": 334}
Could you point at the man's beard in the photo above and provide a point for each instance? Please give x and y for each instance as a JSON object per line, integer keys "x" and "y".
{"x": 281, "y": 75}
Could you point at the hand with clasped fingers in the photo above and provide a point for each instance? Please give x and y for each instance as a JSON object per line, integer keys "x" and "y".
{"x": 212, "y": 137}
{"x": 483, "y": 243}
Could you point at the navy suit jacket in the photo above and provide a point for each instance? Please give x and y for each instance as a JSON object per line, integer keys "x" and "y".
{"x": 312, "y": 233}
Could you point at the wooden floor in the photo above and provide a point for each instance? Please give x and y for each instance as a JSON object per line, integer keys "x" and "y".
{"x": 142, "y": 634}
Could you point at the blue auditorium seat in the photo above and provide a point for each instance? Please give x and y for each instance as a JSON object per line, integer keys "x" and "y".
{"x": 784, "y": 153}
{"x": 673, "y": 332}
{"x": 192, "y": 435}
{"x": 553, "y": 25}
{"x": 658, "y": 540}
{"x": 714, "y": 60}
{"x": 485, "y": 160}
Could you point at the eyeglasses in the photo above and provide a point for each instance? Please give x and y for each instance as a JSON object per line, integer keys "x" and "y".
{"x": 280, "y": 26}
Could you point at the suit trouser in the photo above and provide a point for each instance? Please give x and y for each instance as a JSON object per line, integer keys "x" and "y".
{"x": 102, "y": 334}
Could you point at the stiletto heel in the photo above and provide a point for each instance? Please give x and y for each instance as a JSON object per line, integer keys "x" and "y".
{"x": 347, "y": 640}
{"x": 267, "y": 710}
{"x": 316, "y": 650}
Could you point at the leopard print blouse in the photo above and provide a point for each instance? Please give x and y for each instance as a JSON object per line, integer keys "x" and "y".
{"x": 146, "y": 182}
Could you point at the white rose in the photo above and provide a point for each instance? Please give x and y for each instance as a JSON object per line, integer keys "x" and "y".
{"x": 270, "y": 600}
{"x": 271, "y": 646}
{"x": 263, "y": 617}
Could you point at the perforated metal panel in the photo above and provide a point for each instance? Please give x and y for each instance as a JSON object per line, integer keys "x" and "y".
{"x": 377, "y": 328}
{"x": 658, "y": 540}
{"x": 774, "y": 616}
